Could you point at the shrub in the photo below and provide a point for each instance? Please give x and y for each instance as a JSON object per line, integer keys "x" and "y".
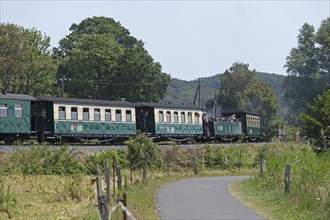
{"x": 97, "y": 160}
{"x": 40, "y": 159}
{"x": 140, "y": 145}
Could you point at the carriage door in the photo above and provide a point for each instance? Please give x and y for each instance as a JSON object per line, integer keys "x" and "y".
{"x": 144, "y": 119}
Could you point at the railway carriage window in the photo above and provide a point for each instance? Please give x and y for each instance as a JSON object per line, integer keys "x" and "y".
{"x": 108, "y": 115}
{"x": 189, "y": 117}
{"x": 168, "y": 117}
{"x": 128, "y": 115}
{"x": 97, "y": 115}
{"x": 161, "y": 116}
{"x": 196, "y": 117}
{"x": 18, "y": 110}
{"x": 85, "y": 114}
{"x": 118, "y": 115}
{"x": 183, "y": 117}
{"x": 176, "y": 117}
{"x": 74, "y": 113}
{"x": 61, "y": 113}
{"x": 3, "y": 111}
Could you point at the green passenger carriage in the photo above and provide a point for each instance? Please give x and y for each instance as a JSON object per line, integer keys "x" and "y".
{"x": 82, "y": 119}
{"x": 169, "y": 121}
{"x": 15, "y": 117}
{"x": 251, "y": 124}
{"x": 225, "y": 130}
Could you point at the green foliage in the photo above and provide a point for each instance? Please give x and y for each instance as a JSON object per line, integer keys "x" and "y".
{"x": 316, "y": 123}
{"x": 308, "y": 68}
{"x": 241, "y": 90}
{"x": 309, "y": 187}
{"x": 100, "y": 59}
{"x": 26, "y": 63}
{"x": 181, "y": 91}
{"x": 111, "y": 155}
{"x": 43, "y": 160}
{"x": 140, "y": 145}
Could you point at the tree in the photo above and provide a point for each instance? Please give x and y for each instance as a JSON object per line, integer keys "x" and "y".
{"x": 100, "y": 59}
{"x": 26, "y": 65}
{"x": 12, "y": 56}
{"x": 316, "y": 123}
{"x": 308, "y": 69}
{"x": 241, "y": 90}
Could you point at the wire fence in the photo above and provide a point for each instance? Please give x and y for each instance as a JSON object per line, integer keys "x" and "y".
{"x": 140, "y": 171}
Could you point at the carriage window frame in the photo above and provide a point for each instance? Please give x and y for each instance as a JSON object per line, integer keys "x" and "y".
{"x": 107, "y": 115}
{"x": 190, "y": 120}
{"x": 62, "y": 112}
{"x": 128, "y": 115}
{"x": 160, "y": 116}
{"x": 97, "y": 114}
{"x": 183, "y": 117}
{"x": 18, "y": 109}
{"x": 74, "y": 113}
{"x": 86, "y": 114}
{"x": 119, "y": 117}
{"x": 168, "y": 116}
{"x": 197, "y": 118}
{"x": 3, "y": 110}
{"x": 176, "y": 117}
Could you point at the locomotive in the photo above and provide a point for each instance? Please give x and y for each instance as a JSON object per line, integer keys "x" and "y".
{"x": 57, "y": 119}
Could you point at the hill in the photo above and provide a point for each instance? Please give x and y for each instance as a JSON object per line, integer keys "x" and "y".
{"x": 181, "y": 91}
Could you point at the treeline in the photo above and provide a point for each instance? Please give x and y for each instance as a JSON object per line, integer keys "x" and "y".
{"x": 99, "y": 59}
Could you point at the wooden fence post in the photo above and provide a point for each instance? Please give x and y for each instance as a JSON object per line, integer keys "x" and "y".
{"x": 125, "y": 204}
{"x": 107, "y": 178}
{"x": 262, "y": 166}
{"x": 195, "y": 160}
{"x": 118, "y": 172}
{"x": 287, "y": 179}
{"x": 131, "y": 174}
{"x": 114, "y": 176}
{"x": 145, "y": 166}
{"x": 168, "y": 167}
{"x": 102, "y": 199}
{"x": 225, "y": 162}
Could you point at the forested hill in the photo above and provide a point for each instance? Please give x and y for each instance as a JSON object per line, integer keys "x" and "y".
{"x": 181, "y": 91}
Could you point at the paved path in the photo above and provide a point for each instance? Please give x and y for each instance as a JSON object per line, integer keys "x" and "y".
{"x": 202, "y": 198}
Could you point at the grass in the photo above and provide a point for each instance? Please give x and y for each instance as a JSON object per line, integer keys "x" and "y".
{"x": 70, "y": 196}
{"x": 309, "y": 196}
{"x": 74, "y": 197}
{"x": 48, "y": 197}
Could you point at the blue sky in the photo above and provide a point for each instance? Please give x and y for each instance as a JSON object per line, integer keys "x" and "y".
{"x": 190, "y": 39}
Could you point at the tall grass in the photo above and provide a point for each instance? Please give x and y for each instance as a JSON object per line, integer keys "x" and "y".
{"x": 309, "y": 192}
{"x": 309, "y": 196}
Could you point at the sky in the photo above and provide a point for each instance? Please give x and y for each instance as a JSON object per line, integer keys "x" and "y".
{"x": 190, "y": 39}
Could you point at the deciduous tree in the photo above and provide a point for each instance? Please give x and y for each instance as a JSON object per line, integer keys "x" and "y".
{"x": 308, "y": 67}
{"x": 316, "y": 123}
{"x": 26, "y": 65}
{"x": 241, "y": 90}
{"x": 100, "y": 59}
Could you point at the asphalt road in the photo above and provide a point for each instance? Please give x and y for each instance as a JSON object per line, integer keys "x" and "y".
{"x": 202, "y": 198}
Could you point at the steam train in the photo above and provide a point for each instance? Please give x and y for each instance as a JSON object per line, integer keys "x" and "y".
{"x": 56, "y": 119}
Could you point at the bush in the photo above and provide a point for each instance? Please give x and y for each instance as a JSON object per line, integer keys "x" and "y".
{"x": 97, "y": 160}
{"x": 41, "y": 160}
{"x": 140, "y": 145}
